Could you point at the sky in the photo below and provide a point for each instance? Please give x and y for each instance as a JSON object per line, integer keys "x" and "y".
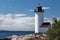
{"x": 15, "y": 14}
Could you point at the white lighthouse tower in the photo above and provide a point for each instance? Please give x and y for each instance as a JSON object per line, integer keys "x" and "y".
{"x": 38, "y": 18}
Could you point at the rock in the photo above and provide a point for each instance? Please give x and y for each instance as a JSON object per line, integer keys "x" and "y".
{"x": 26, "y": 37}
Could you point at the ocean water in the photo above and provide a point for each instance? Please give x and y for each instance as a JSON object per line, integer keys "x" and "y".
{"x": 4, "y": 34}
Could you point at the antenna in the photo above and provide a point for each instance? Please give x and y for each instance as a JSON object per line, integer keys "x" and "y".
{"x": 39, "y": 5}
{"x": 39, "y": 1}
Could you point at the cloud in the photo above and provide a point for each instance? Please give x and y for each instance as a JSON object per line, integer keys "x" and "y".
{"x": 45, "y": 8}
{"x": 58, "y": 19}
{"x": 42, "y": 8}
{"x": 48, "y": 20}
{"x": 16, "y": 23}
{"x": 31, "y": 10}
{"x": 19, "y": 22}
{"x": 17, "y": 15}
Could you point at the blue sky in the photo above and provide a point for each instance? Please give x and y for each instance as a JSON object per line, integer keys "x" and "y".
{"x": 23, "y": 6}
{"x": 15, "y": 14}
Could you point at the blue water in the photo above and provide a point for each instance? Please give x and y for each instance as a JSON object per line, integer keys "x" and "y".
{"x": 4, "y": 34}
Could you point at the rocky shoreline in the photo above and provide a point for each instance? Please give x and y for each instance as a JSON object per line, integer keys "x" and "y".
{"x": 26, "y": 37}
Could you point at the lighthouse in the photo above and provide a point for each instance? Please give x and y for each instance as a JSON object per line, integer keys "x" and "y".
{"x": 38, "y": 18}
{"x": 41, "y": 26}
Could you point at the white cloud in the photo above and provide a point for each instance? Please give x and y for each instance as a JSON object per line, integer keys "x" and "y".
{"x": 50, "y": 19}
{"x": 18, "y": 22}
{"x": 17, "y": 15}
{"x": 10, "y": 22}
{"x": 58, "y": 18}
{"x": 31, "y": 10}
{"x": 45, "y": 8}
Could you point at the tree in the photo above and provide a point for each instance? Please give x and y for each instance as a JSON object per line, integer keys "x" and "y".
{"x": 54, "y": 32}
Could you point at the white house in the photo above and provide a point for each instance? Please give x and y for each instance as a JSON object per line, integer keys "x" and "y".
{"x": 40, "y": 25}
